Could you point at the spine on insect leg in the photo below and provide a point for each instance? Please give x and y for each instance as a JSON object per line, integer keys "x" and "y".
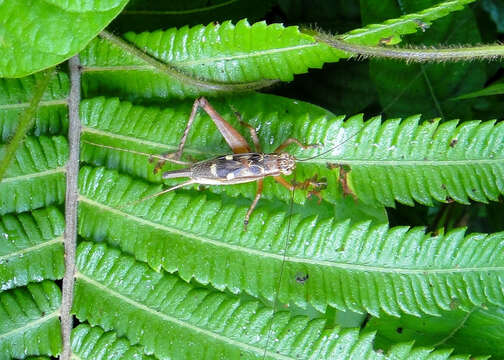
{"x": 177, "y": 173}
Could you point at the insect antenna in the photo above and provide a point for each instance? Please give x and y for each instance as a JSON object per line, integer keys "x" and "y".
{"x": 153, "y": 156}
{"x": 334, "y": 147}
{"x": 282, "y": 268}
{"x": 287, "y": 240}
{"x": 185, "y": 183}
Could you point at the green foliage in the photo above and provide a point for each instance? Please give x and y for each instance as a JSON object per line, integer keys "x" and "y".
{"x": 26, "y": 120}
{"x": 29, "y": 322}
{"x": 496, "y": 88}
{"x": 221, "y": 56}
{"x": 456, "y": 328}
{"x": 36, "y": 177}
{"x": 406, "y": 23}
{"x": 406, "y": 161}
{"x": 496, "y": 10}
{"x": 51, "y": 117}
{"x": 132, "y": 295}
{"x": 31, "y": 247}
{"x": 404, "y": 88}
{"x": 176, "y": 276}
{"x": 190, "y": 234}
{"x": 95, "y": 344}
{"x": 44, "y": 35}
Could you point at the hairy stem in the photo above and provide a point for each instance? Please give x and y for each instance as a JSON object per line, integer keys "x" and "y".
{"x": 72, "y": 194}
{"x": 418, "y": 54}
{"x": 26, "y": 120}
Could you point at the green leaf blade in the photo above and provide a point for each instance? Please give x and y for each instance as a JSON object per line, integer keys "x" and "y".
{"x": 178, "y": 230}
{"x": 224, "y": 56}
{"x": 31, "y": 248}
{"x": 132, "y": 295}
{"x": 95, "y": 344}
{"x": 406, "y": 89}
{"x": 408, "y": 24}
{"x": 39, "y": 164}
{"x": 51, "y": 117}
{"x": 387, "y": 161}
{"x": 478, "y": 332}
{"x": 236, "y": 53}
{"x": 29, "y": 323}
{"x": 48, "y": 38}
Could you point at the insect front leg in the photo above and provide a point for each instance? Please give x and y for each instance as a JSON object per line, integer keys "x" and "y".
{"x": 317, "y": 185}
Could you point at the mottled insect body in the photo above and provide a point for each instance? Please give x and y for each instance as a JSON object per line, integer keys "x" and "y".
{"x": 236, "y": 168}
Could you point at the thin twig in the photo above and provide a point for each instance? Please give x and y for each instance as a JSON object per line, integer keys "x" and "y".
{"x": 72, "y": 194}
{"x": 488, "y": 52}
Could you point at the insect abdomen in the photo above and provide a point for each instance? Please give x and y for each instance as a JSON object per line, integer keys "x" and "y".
{"x": 236, "y": 168}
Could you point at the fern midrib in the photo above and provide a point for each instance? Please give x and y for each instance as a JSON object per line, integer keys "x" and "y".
{"x": 33, "y": 175}
{"x": 205, "y": 60}
{"x": 41, "y": 245}
{"x": 252, "y": 54}
{"x": 204, "y": 332}
{"x": 31, "y": 324}
{"x": 262, "y": 254}
{"x": 40, "y": 104}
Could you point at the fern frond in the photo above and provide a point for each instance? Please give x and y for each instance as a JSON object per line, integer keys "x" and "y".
{"x": 31, "y": 247}
{"x": 155, "y": 131}
{"x": 393, "y": 29}
{"x": 26, "y": 120}
{"x": 235, "y": 55}
{"x": 201, "y": 237}
{"x": 51, "y": 117}
{"x": 29, "y": 323}
{"x": 38, "y": 164}
{"x": 95, "y": 344}
{"x": 408, "y": 162}
{"x": 387, "y": 161}
{"x": 224, "y": 54}
{"x": 198, "y": 323}
{"x": 479, "y": 331}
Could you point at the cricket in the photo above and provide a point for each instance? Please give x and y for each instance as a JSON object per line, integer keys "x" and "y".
{"x": 243, "y": 166}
